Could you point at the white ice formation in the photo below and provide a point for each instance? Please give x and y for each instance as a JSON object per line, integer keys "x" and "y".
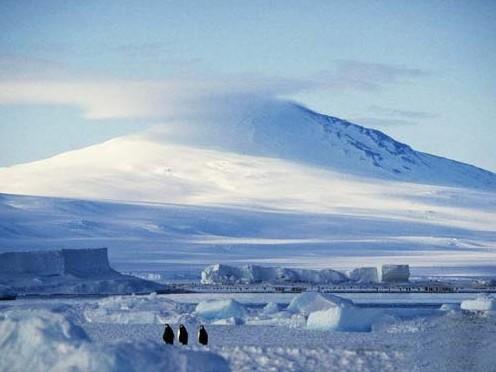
{"x": 67, "y": 271}
{"x": 395, "y": 273}
{"x": 247, "y": 274}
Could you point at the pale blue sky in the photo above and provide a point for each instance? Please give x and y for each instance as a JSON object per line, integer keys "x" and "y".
{"x": 421, "y": 71}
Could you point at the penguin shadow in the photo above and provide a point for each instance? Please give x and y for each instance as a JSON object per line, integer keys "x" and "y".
{"x": 183, "y": 336}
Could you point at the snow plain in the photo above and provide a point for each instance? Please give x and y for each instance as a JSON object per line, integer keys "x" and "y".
{"x": 180, "y": 240}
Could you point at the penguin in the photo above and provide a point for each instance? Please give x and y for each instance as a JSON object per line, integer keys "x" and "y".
{"x": 202, "y": 336}
{"x": 168, "y": 335}
{"x": 182, "y": 335}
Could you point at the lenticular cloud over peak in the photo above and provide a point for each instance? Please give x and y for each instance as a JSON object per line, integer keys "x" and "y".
{"x": 150, "y": 100}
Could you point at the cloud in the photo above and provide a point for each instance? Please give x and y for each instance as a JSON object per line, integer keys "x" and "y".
{"x": 358, "y": 75}
{"x": 401, "y": 113}
{"x": 145, "y": 99}
{"x": 20, "y": 67}
{"x": 382, "y": 122}
{"x": 388, "y": 117}
{"x": 179, "y": 98}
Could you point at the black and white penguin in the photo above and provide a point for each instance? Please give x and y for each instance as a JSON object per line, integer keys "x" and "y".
{"x": 168, "y": 335}
{"x": 202, "y": 336}
{"x": 182, "y": 335}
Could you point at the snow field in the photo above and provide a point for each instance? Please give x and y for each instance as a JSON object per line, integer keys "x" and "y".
{"x": 47, "y": 341}
{"x": 426, "y": 233}
{"x": 104, "y": 335}
{"x": 136, "y": 310}
{"x": 253, "y": 358}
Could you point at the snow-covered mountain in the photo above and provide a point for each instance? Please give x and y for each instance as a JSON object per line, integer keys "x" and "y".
{"x": 289, "y": 131}
{"x": 278, "y": 184}
{"x": 210, "y": 160}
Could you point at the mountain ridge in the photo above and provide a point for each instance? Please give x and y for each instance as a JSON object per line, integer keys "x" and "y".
{"x": 291, "y": 131}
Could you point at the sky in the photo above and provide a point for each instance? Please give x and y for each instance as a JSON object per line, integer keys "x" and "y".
{"x": 75, "y": 73}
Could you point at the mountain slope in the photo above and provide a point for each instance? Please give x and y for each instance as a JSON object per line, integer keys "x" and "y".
{"x": 289, "y": 131}
{"x": 209, "y": 161}
{"x": 176, "y": 239}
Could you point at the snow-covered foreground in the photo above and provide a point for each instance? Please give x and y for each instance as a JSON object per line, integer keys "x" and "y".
{"x": 49, "y": 341}
{"x": 261, "y": 334}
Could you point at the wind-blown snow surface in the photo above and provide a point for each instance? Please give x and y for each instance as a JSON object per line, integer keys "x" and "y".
{"x": 281, "y": 185}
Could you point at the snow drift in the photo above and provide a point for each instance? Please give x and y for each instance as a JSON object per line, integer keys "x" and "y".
{"x": 147, "y": 309}
{"x": 220, "y": 309}
{"x": 247, "y": 274}
{"x": 46, "y": 341}
{"x": 308, "y": 302}
{"x": 344, "y": 318}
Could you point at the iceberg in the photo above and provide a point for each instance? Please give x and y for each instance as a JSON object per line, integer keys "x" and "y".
{"x": 39, "y": 262}
{"x": 67, "y": 271}
{"x": 6, "y": 293}
{"x": 395, "y": 273}
{"x": 364, "y": 275}
{"x": 77, "y": 262}
{"x": 248, "y": 274}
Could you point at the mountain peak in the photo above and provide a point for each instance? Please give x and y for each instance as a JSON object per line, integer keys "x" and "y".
{"x": 270, "y": 152}
{"x": 287, "y": 130}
